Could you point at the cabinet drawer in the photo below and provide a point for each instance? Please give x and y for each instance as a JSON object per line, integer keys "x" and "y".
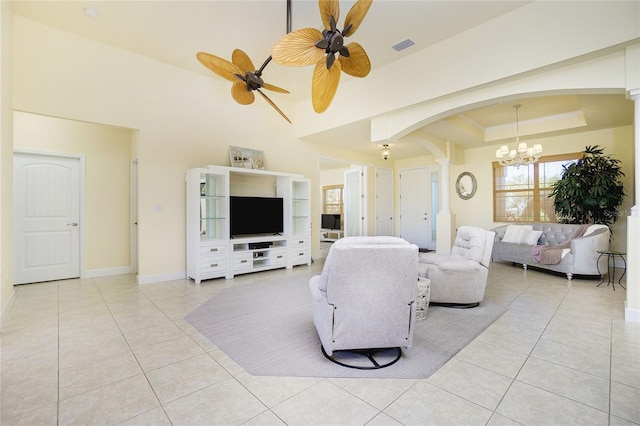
{"x": 242, "y": 261}
{"x": 297, "y": 243}
{"x": 213, "y": 264}
{"x": 300, "y": 254}
{"x": 212, "y": 248}
{"x": 278, "y": 256}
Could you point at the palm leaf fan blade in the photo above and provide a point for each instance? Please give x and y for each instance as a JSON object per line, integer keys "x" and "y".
{"x": 266, "y": 98}
{"x": 220, "y": 66}
{"x": 298, "y": 48}
{"x": 356, "y": 16}
{"x": 274, "y": 88}
{"x": 357, "y": 63}
{"x": 324, "y": 85}
{"x": 242, "y": 61}
{"x": 241, "y": 93}
{"x": 329, "y": 8}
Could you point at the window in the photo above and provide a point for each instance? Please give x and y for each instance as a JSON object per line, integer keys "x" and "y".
{"x": 520, "y": 194}
{"x": 332, "y": 199}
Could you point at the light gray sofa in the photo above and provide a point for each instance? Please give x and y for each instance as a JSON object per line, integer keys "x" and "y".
{"x": 580, "y": 256}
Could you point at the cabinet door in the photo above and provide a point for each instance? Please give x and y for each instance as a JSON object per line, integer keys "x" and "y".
{"x": 213, "y": 207}
{"x": 301, "y": 207}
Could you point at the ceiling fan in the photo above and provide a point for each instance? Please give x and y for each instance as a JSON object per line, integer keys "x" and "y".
{"x": 309, "y": 46}
{"x": 303, "y": 47}
{"x": 244, "y": 76}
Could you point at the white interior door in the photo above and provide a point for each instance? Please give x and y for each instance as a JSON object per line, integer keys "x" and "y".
{"x": 353, "y": 202}
{"x": 416, "y": 213}
{"x": 46, "y": 218}
{"x": 384, "y": 202}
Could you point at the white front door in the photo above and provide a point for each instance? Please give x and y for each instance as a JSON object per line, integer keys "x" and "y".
{"x": 416, "y": 214}
{"x": 353, "y": 202}
{"x": 46, "y": 217}
{"x": 384, "y": 201}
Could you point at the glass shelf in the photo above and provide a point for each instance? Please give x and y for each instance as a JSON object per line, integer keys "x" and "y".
{"x": 213, "y": 206}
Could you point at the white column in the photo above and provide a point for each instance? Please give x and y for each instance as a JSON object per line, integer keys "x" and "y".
{"x": 444, "y": 186}
{"x": 634, "y": 95}
{"x": 632, "y": 304}
{"x": 446, "y": 221}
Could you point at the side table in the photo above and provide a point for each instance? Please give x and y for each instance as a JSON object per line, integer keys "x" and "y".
{"x": 422, "y": 298}
{"x": 611, "y": 260}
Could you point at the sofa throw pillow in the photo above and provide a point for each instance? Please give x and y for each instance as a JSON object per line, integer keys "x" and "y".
{"x": 531, "y": 238}
{"x": 514, "y": 233}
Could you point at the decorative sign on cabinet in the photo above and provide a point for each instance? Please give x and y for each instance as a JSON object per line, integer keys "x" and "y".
{"x": 212, "y": 251}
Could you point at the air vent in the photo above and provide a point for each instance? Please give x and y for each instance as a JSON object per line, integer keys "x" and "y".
{"x": 403, "y": 45}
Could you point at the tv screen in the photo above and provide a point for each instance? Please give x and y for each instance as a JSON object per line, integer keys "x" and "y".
{"x": 330, "y": 221}
{"x": 255, "y": 215}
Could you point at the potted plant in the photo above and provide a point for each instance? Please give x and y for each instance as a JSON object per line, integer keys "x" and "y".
{"x": 590, "y": 189}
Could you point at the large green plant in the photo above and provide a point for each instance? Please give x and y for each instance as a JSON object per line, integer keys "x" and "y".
{"x": 590, "y": 190}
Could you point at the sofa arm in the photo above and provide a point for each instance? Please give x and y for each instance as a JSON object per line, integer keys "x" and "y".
{"x": 432, "y": 258}
{"x": 462, "y": 266}
{"x": 585, "y": 251}
{"x": 319, "y": 282}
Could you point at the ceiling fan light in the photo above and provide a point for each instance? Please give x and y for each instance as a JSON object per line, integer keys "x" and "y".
{"x": 385, "y": 152}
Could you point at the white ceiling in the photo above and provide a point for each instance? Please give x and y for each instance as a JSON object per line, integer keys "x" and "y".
{"x": 173, "y": 31}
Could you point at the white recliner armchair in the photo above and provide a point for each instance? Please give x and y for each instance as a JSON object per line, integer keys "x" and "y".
{"x": 364, "y": 300}
{"x": 460, "y": 278}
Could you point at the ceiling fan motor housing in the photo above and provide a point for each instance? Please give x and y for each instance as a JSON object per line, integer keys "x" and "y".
{"x": 253, "y": 81}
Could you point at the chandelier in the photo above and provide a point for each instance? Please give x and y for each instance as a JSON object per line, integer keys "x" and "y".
{"x": 523, "y": 154}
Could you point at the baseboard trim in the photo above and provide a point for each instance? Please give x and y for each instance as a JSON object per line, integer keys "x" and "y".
{"x": 631, "y": 315}
{"x": 95, "y": 273}
{"x": 158, "y": 278}
{"x": 7, "y": 307}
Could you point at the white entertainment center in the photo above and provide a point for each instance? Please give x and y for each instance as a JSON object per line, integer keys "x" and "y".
{"x": 212, "y": 251}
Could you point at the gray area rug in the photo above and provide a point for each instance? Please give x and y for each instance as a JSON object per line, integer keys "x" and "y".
{"x": 267, "y": 329}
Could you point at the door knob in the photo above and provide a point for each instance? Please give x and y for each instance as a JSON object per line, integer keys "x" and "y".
{"x": 72, "y": 224}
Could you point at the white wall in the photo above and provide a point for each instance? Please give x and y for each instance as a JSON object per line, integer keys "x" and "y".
{"x": 539, "y": 35}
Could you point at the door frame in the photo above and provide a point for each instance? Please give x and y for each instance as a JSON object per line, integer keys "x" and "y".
{"x": 81, "y": 196}
{"x": 133, "y": 217}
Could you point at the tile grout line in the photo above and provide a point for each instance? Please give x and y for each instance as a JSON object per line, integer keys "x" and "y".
{"x": 515, "y": 377}
{"x": 133, "y": 353}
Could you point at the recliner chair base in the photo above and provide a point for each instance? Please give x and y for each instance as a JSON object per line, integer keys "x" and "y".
{"x": 362, "y": 354}
{"x": 455, "y": 305}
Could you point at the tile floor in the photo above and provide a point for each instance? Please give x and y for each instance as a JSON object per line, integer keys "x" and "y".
{"x": 106, "y": 351}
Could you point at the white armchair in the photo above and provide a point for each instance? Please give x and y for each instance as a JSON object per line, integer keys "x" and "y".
{"x": 364, "y": 299}
{"x": 460, "y": 278}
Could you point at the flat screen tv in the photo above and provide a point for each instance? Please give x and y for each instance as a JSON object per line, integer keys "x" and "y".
{"x": 255, "y": 215}
{"x": 330, "y": 221}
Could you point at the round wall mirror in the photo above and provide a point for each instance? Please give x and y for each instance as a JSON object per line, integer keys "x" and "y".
{"x": 466, "y": 185}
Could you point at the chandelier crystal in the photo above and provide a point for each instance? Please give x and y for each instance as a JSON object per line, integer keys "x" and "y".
{"x": 523, "y": 154}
